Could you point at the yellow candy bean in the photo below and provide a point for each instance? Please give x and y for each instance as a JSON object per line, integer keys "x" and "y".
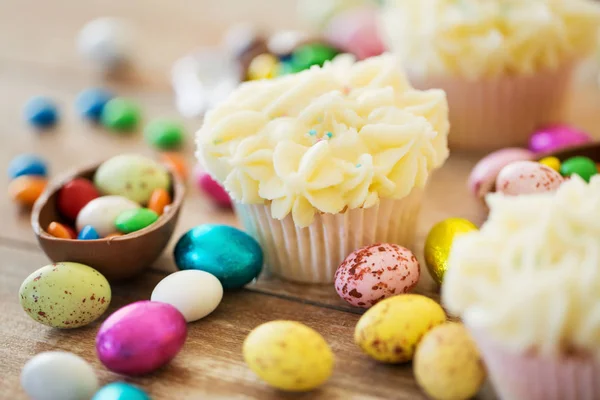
{"x": 551, "y": 162}
{"x": 263, "y": 66}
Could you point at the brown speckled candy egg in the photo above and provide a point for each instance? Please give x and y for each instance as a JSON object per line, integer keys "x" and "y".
{"x": 527, "y": 177}
{"x": 373, "y": 273}
{"x": 65, "y": 295}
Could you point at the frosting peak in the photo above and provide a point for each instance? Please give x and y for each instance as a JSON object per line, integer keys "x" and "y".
{"x": 326, "y": 139}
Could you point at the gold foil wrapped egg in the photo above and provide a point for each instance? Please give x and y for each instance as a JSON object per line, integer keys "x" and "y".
{"x": 438, "y": 244}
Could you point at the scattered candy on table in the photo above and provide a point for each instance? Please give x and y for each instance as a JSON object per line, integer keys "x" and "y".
{"x": 120, "y": 114}
{"x": 159, "y": 200}
{"x": 551, "y": 162}
{"x": 106, "y": 42}
{"x": 164, "y": 134}
{"x": 557, "y": 137}
{"x": 41, "y": 112}
{"x": 54, "y": 375}
{"x": 439, "y": 242}
{"x": 102, "y": 212}
{"x": 527, "y": 177}
{"x": 120, "y": 391}
{"x": 231, "y": 255}
{"x": 88, "y": 233}
{"x": 26, "y": 189}
{"x": 90, "y": 103}
{"x": 391, "y": 329}
{"x": 288, "y": 355}
{"x": 582, "y": 166}
{"x": 134, "y": 220}
{"x": 213, "y": 189}
{"x": 373, "y": 273}
{"x": 65, "y": 295}
{"x": 181, "y": 290}
{"x": 141, "y": 337}
{"x": 60, "y": 231}
{"x": 447, "y": 364}
{"x": 74, "y": 195}
{"x": 175, "y": 162}
{"x": 27, "y": 164}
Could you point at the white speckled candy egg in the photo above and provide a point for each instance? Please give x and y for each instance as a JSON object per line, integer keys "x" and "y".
{"x": 54, "y": 375}
{"x": 65, "y": 295}
{"x": 373, "y": 273}
{"x": 102, "y": 212}
{"x": 527, "y": 177}
{"x": 194, "y": 293}
{"x": 132, "y": 176}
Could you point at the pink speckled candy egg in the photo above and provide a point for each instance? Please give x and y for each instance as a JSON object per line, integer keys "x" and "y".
{"x": 212, "y": 188}
{"x": 373, "y": 273}
{"x": 557, "y": 137}
{"x": 527, "y": 177}
{"x": 483, "y": 176}
{"x": 141, "y": 337}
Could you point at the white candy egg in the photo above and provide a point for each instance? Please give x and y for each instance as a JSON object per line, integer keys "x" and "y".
{"x": 58, "y": 375}
{"x": 106, "y": 42}
{"x": 102, "y": 212}
{"x": 194, "y": 293}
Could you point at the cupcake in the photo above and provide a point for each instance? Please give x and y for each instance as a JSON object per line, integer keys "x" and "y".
{"x": 325, "y": 161}
{"x": 527, "y": 285}
{"x": 504, "y": 64}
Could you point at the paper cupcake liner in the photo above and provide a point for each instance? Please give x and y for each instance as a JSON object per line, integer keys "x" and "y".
{"x": 495, "y": 113}
{"x": 313, "y": 254}
{"x": 530, "y": 377}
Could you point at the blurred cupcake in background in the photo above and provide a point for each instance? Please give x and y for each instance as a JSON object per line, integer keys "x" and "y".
{"x": 326, "y": 161}
{"x": 504, "y": 64}
{"x": 527, "y": 285}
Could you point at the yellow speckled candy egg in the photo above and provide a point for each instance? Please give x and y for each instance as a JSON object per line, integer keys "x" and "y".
{"x": 132, "y": 176}
{"x": 65, "y": 295}
{"x": 288, "y": 355}
{"x": 390, "y": 330}
{"x": 438, "y": 244}
{"x": 447, "y": 364}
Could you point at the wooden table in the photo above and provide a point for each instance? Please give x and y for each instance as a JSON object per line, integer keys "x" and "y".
{"x": 37, "y": 56}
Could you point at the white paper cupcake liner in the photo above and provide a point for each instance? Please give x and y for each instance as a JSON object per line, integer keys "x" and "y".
{"x": 489, "y": 114}
{"x": 313, "y": 254}
{"x": 532, "y": 377}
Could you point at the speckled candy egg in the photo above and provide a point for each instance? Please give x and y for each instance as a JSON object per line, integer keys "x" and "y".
{"x": 447, "y": 364}
{"x": 390, "y": 330}
{"x": 527, "y": 177}
{"x": 101, "y": 213}
{"x": 288, "y": 355}
{"x": 376, "y": 272}
{"x": 55, "y": 375}
{"x": 65, "y": 295}
{"x": 141, "y": 337}
{"x": 132, "y": 176}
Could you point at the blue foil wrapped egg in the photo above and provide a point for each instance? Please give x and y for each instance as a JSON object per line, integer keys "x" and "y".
{"x": 120, "y": 391}
{"x": 231, "y": 255}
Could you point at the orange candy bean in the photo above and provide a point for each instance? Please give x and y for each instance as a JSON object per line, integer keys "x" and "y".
{"x": 159, "y": 199}
{"x": 175, "y": 162}
{"x": 61, "y": 231}
{"x": 26, "y": 189}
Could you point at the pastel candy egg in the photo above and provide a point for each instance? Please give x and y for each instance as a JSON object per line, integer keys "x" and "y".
{"x": 61, "y": 231}
{"x": 164, "y": 134}
{"x": 134, "y": 220}
{"x": 90, "y": 103}
{"x": 88, "y": 233}
{"x": 120, "y": 391}
{"x": 41, "y": 112}
{"x": 26, "y": 189}
{"x": 27, "y": 164}
{"x": 132, "y": 176}
{"x": 106, "y": 42}
{"x": 356, "y": 32}
{"x": 194, "y": 293}
{"x": 141, "y": 337}
{"x": 447, "y": 364}
{"x": 213, "y": 189}
{"x": 65, "y": 295}
{"x": 582, "y": 166}
{"x": 556, "y": 137}
{"x": 391, "y": 329}
{"x": 483, "y": 176}
{"x": 527, "y": 177}
{"x": 231, "y": 255}
{"x": 60, "y": 375}
{"x": 74, "y": 195}
{"x": 102, "y": 212}
{"x": 120, "y": 114}
{"x": 373, "y": 273}
{"x": 288, "y": 355}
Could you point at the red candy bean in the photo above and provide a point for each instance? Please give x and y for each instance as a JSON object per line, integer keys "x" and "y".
{"x": 74, "y": 195}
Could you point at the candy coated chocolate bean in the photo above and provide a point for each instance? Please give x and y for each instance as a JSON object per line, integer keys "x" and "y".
{"x": 582, "y": 166}
{"x": 61, "y": 231}
{"x": 175, "y": 162}
{"x": 164, "y": 134}
{"x": 551, "y": 162}
{"x": 213, "y": 189}
{"x": 88, "y": 233}
{"x": 308, "y": 55}
{"x": 263, "y": 66}
{"x": 41, "y": 112}
{"x": 134, "y": 220}
{"x": 27, "y": 164}
{"x": 120, "y": 114}
{"x": 91, "y": 102}
{"x": 26, "y": 189}
{"x": 74, "y": 195}
{"x": 159, "y": 199}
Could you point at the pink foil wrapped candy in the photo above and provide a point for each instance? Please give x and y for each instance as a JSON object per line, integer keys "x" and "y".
{"x": 557, "y": 137}
{"x": 141, "y": 337}
{"x": 212, "y": 188}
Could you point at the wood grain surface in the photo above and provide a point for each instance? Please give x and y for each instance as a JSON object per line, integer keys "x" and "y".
{"x": 38, "y": 57}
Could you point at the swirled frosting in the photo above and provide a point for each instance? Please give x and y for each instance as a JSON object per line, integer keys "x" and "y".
{"x": 475, "y": 38}
{"x": 530, "y": 277}
{"x": 326, "y": 139}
